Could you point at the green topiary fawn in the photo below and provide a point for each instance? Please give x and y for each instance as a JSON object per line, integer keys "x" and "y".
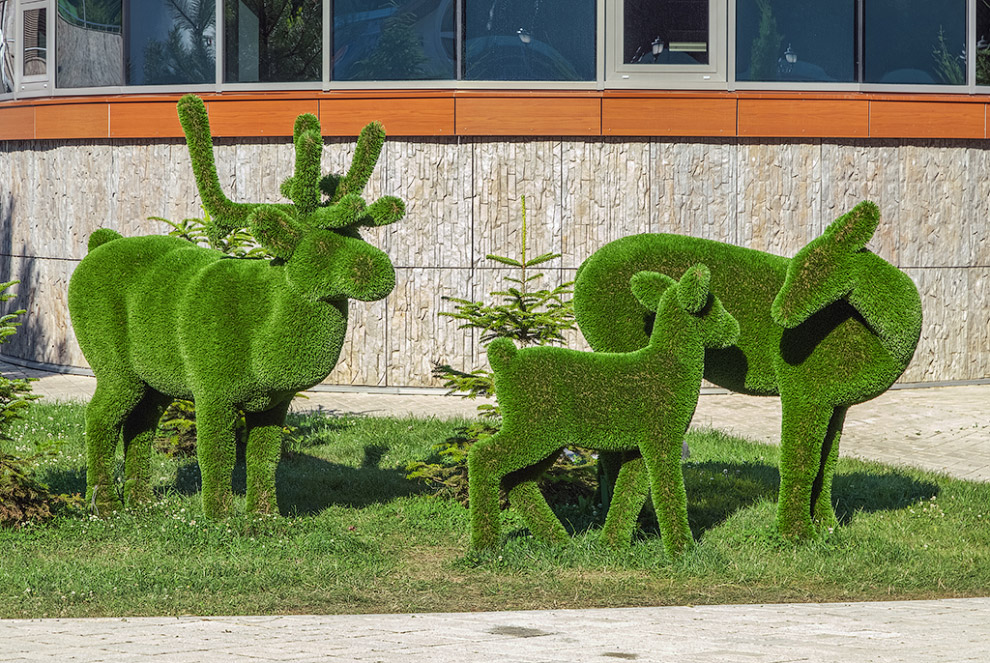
{"x": 832, "y": 327}
{"x": 552, "y": 397}
{"x": 159, "y": 318}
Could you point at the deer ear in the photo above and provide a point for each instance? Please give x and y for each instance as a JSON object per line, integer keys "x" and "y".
{"x": 275, "y": 230}
{"x": 693, "y": 288}
{"x": 851, "y": 231}
{"x": 648, "y": 288}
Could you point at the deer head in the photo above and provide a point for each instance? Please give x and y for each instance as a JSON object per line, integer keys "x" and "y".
{"x": 316, "y": 236}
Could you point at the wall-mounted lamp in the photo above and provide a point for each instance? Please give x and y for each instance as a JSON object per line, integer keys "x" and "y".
{"x": 524, "y": 35}
{"x": 656, "y": 47}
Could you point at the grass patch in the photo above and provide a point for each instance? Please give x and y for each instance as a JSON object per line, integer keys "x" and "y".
{"x": 357, "y": 537}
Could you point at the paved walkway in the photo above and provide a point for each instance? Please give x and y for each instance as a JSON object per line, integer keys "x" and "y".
{"x": 946, "y": 429}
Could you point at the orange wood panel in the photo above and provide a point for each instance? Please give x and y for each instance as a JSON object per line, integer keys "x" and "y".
{"x": 17, "y": 123}
{"x": 257, "y": 118}
{"x": 674, "y": 116}
{"x": 401, "y": 117}
{"x": 815, "y": 118}
{"x": 925, "y": 119}
{"x": 529, "y": 116}
{"x": 144, "y": 120}
{"x": 72, "y": 121}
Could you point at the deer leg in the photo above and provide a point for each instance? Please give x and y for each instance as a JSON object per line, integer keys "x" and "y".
{"x": 139, "y": 433}
{"x": 264, "y": 448}
{"x": 105, "y": 416}
{"x": 663, "y": 461}
{"x": 804, "y": 428}
{"x": 822, "y": 512}
{"x": 215, "y": 452}
{"x": 525, "y": 497}
{"x": 632, "y": 485}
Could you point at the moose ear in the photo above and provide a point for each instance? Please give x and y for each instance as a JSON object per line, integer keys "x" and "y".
{"x": 275, "y": 230}
{"x": 693, "y": 288}
{"x": 648, "y": 288}
{"x": 851, "y": 231}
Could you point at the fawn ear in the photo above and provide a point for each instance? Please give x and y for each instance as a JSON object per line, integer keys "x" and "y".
{"x": 851, "y": 231}
{"x": 648, "y": 287}
{"x": 692, "y": 290}
{"x": 275, "y": 230}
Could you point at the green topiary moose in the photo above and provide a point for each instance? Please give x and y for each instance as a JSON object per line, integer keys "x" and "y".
{"x": 834, "y": 326}
{"x": 159, "y": 318}
{"x": 552, "y": 397}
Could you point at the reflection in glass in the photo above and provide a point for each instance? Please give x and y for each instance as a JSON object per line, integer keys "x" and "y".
{"x": 6, "y": 46}
{"x": 529, "y": 40}
{"x": 35, "y": 42}
{"x": 393, "y": 40}
{"x": 665, "y": 32}
{"x": 916, "y": 42}
{"x": 982, "y": 45}
{"x": 170, "y": 42}
{"x": 795, "y": 40}
{"x": 273, "y": 41}
{"x": 89, "y": 44}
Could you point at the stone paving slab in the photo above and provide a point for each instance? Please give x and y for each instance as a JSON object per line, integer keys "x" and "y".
{"x": 951, "y": 630}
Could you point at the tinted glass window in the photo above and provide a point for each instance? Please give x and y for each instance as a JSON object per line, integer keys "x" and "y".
{"x": 90, "y": 44}
{"x": 170, "y": 42}
{"x": 665, "y": 32}
{"x": 273, "y": 41}
{"x": 35, "y": 42}
{"x": 916, "y": 41}
{"x": 982, "y": 44}
{"x": 7, "y": 19}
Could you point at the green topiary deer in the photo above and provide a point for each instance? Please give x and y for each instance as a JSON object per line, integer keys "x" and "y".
{"x": 159, "y": 318}
{"x": 832, "y": 327}
{"x": 553, "y": 397}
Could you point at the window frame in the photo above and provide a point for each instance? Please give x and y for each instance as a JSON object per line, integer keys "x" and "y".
{"x": 37, "y": 84}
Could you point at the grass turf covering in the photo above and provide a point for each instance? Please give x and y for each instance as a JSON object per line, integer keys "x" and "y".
{"x": 555, "y": 397}
{"x": 357, "y": 537}
{"x": 832, "y": 327}
{"x": 159, "y": 318}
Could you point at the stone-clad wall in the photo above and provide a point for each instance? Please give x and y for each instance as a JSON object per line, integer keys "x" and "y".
{"x": 463, "y": 203}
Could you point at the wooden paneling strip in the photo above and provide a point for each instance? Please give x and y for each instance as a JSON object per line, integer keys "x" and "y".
{"x": 813, "y": 118}
{"x": 144, "y": 120}
{"x": 257, "y": 118}
{"x": 17, "y": 123}
{"x": 72, "y": 121}
{"x": 668, "y": 117}
{"x": 528, "y": 116}
{"x": 926, "y": 119}
{"x": 401, "y": 117}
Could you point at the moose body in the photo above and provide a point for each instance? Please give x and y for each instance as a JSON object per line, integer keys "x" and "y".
{"x": 832, "y": 327}
{"x": 552, "y": 397}
{"x": 160, "y": 318}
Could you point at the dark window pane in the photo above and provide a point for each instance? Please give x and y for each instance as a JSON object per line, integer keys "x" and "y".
{"x": 170, "y": 42}
{"x": 795, "y": 40}
{"x": 916, "y": 41}
{"x": 393, "y": 40}
{"x": 982, "y": 42}
{"x": 90, "y": 45}
{"x": 35, "y": 42}
{"x": 529, "y": 40}
{"x": 273, "y": 41}
{"x": 665, "y": 32}
{"x": 7, "y": 21}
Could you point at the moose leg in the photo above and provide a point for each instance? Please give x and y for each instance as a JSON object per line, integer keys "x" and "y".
{"x": 264, "y": 448}
{"x": 822, "y": 512}
{"x": 139, "y": 433}
{"x": 663, "y": 460}
{"x": 632, "y": 485}
{"x": 526, "y": 497}
{"x": 112, "y": 401}
{"x": 804, "y": 427}
{"x": 215, "y": 452}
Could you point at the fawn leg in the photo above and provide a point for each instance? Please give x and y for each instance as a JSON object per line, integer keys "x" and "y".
{"x": 525, "y": 496}
{"x": 139, "y": 433}
{"x": 663, "y": 461}
{"x": 112, "y": 401}
{"x": 632, "y": 485}
{"x": 822, "y": 512}
{"x": 264, "y": 448}
{"x": 215, "y": 452}
{"x": 804, "y": 428}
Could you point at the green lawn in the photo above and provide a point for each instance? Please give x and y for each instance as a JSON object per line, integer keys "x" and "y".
{"x": 357, "y": 537}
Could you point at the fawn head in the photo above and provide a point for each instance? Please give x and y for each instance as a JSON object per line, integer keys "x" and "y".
{"x": 825, "y": 270}
{"x": 316, "y": 237}
{"x": 692, "y": 294}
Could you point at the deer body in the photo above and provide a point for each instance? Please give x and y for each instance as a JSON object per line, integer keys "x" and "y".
{"x": 832, "y": 327}
{"x": 553, "y": 397}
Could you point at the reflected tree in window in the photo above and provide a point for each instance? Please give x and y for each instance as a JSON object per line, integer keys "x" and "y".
{"x": 184, "y": 54}
{"x": 273, "y": 40}
{"x": 982, "y": 46}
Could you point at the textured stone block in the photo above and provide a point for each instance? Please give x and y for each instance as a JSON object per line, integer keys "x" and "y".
{"x": 942, "y": 352}
{"x": 693, "y": 189}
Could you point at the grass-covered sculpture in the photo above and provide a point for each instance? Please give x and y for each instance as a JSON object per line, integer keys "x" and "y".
{"x": 159, "y": 318}
{"x": 553, "y": 397}
{"x": 834, "y": 326}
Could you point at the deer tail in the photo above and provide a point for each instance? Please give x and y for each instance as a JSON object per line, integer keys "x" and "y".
{"x": 100, "y": 237}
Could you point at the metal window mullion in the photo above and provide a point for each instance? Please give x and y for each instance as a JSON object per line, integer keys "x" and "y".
{"x": 219, "y": 46}
{"x": 327, "y": 42}
{"x": 459, "y": 40}
{"x": 971, "y": 46}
